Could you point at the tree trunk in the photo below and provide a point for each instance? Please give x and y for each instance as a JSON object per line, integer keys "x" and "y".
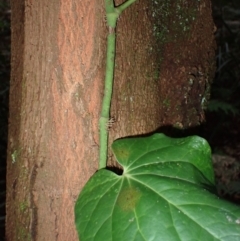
{"x": 58, "y": 51}
{"x": 164, "y": 66}
{"x": 58, "y": 61}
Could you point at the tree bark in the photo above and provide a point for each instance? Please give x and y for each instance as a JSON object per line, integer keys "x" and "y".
{"x": 58, "y": 62}
{"x": 58, "y": 49}
{"x": 164, "y": 67}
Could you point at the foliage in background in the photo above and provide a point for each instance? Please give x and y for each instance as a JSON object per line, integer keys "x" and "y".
{"x": 223, "y": 113}
{"x": 4, "y": 90}
{"x": 225, "y": 99}
{"x": 227, "y": 171}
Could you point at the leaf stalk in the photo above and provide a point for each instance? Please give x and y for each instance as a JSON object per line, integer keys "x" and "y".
{"x": 112, "y": 14}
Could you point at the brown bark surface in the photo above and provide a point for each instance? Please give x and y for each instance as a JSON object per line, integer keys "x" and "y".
{"x": 57, "y": 71}
{"x": 58, "y": 63}
{"x": 188, "y": 63}
{"x": 136, "y": 101}
{"x": 164, "y": 67}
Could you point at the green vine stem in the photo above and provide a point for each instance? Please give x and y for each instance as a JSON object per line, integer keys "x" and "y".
{"x": 112, "y": 14}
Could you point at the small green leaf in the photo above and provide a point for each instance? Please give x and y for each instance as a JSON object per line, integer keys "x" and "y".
{"x": 164, "y": 194}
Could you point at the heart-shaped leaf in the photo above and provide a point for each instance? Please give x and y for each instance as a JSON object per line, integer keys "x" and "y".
{"x": 164, "y": 194}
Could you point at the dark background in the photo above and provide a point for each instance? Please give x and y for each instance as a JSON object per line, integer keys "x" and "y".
{"x": 222, "y": 125}
{"x": 5, "y": 15}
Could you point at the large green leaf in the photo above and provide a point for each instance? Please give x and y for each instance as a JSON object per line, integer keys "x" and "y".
{"x": 164, "y": 194}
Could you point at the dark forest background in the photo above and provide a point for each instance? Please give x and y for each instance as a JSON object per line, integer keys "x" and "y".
{"x": 222, "y": 126}
{"x": 5, "y": 39}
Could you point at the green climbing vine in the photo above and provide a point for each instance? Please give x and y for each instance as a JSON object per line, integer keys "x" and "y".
{"x": 166, "y": 191}
{"x": 112, "y": 14}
